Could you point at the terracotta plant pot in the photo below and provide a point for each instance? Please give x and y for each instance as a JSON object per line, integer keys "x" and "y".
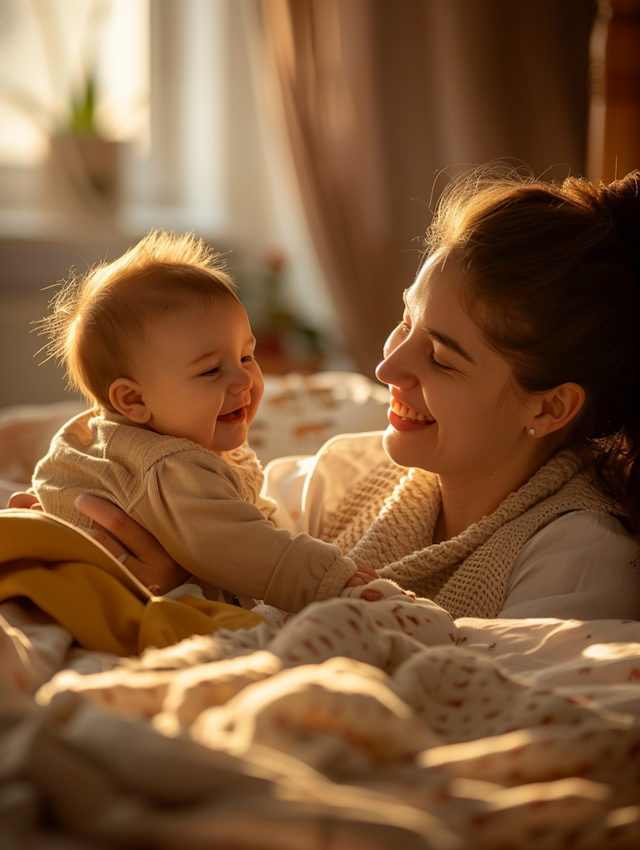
{"x": 82, "y": 174}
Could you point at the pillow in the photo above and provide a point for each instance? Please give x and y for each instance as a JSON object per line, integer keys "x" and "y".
{"x": 25, "y": 434}
{"x": 299, "y": 413}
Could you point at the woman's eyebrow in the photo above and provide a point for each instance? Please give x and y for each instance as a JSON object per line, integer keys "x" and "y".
{"x": 443, "y": 339}
{"x": 447, "y": 341}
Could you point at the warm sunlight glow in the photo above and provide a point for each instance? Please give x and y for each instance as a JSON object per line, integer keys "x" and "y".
{"x": 46, "y": 51}
{"x": 612, "y": 651}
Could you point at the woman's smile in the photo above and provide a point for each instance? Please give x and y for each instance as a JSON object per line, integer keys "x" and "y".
{"x": 399, "y": 410}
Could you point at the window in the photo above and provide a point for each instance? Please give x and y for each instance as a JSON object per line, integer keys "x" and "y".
{"x": 178, "y": 91}
{"x": 47, "y": 49}
{"x": 161, "y": 89}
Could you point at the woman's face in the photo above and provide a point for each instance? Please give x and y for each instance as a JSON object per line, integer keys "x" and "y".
{"x": 455, "y": 408}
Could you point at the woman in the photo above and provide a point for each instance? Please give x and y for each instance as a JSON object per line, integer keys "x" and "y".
{"x": 508, "y": 484}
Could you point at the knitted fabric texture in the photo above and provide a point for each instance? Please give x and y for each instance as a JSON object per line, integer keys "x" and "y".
{"x": 76, "y": 464}
{"x": 248, "y": 475}
{"x": 468, "y": 575}
{"x": 361, "y": 506}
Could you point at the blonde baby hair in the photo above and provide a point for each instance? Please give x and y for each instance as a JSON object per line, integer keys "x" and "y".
{"x": 96, "y": 317}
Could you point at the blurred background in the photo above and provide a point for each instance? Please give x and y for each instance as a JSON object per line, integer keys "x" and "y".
{"x": 307, "y": 140}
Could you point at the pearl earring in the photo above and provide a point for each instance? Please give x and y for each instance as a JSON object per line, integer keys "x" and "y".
{"x": 532, "y": 431}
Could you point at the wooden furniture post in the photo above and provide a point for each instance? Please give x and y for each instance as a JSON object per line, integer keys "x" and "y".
{"x": 614, "y": 120}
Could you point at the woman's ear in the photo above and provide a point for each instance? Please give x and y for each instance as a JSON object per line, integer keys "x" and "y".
{"x": 557, "y": 408}
{"x": 125, "y": 396}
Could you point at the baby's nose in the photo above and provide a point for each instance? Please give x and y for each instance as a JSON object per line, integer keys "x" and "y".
{"x": 241, "y": 381}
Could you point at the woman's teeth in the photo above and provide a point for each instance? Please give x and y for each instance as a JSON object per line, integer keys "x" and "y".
{"x": 407, "y": 413}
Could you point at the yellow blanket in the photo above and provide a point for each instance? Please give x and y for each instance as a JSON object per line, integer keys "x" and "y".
{"x": 91, "y": 594}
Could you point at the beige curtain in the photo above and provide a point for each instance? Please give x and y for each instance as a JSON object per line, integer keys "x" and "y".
{"x": 378, "y": 96}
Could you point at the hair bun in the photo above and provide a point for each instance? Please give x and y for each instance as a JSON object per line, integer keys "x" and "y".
{"x": 621, "y": 199}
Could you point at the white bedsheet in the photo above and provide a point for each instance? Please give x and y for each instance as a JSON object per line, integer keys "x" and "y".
{"x": 474, "y": 734}
{"x": 496, "y": 734}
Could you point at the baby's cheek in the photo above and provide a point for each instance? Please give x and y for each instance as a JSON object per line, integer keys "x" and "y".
{"x": 257, "y": 391}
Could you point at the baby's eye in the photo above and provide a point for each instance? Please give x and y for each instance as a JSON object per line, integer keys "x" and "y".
{"x": 248, "y": 358}
{"x": 213, "y": 371}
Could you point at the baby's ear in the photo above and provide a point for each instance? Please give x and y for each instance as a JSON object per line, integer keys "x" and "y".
{"x": 126, "y": 397}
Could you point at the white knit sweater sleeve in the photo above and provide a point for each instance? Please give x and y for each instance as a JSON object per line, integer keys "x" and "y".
{"x": 584, "y": 565}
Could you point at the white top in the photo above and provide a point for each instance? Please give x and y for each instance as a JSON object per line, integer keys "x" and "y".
{"x": 584, "y": 565}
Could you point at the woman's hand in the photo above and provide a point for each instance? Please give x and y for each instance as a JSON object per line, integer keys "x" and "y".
{"x": 143, "y": 556}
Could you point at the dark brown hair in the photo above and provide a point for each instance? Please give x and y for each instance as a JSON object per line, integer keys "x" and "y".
{"x": 554, "y": 279}
{"x": 96, "y": 318}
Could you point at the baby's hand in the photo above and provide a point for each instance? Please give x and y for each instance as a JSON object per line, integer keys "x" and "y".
{"x": 381, "y": 588}
{"x": 364, "y": 575}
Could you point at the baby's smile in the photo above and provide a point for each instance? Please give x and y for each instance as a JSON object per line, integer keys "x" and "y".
{"x": 234, "y": 416}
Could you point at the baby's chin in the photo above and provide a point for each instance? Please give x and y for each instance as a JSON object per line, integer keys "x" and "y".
{"x": 221, "y": 447}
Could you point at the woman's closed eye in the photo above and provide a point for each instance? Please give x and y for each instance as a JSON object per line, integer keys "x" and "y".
{"x": 440, "y": 365}
{"x": 403, "y": 327}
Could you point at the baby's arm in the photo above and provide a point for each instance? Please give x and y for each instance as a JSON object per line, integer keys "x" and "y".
{"x": 194, "y": 509}
{"x": 146, "y": 557}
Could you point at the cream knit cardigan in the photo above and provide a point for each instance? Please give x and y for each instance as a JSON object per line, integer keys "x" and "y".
{"x": 387, "y": 523}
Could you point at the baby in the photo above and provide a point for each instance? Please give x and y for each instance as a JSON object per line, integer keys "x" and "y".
{"x": 161, "y": 346}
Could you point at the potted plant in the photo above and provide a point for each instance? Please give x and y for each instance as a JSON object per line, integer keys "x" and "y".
{"x": 285, "y": 342}
{"x": 87, "y": 161}
{"x": 82, "y": 171}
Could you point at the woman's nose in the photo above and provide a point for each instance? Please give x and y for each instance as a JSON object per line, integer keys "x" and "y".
{"x": 394, "y": 369}
{"x": 381, "y": 371}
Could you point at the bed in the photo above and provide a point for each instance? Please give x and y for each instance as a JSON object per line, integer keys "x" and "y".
{"x": 433, "y": 733}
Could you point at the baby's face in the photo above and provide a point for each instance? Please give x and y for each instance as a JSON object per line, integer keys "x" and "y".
{"x": 198, "y": 375}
